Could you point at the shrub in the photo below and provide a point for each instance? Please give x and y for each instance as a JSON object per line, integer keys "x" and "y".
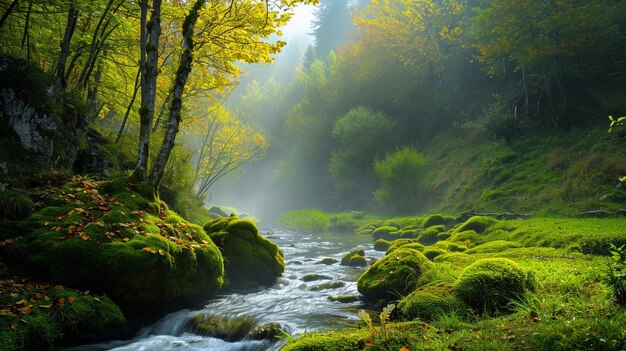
{"x": 401, "y": 174}
{"x": 489, "y": 285}
{"x": 394, "y": 275}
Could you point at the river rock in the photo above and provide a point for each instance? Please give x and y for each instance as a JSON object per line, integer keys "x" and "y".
{"x": 249, "y": 258}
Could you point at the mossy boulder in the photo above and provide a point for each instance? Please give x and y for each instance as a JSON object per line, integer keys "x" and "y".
{"x": 408, "y": 234}
{"x": 428, "y": 236}
{"x": 143, "y": 256}
{"x": 327, "y": 261}
{"x": 249, "y": 258}
{"x": 382, "y": 245}
{"x": 314, "y": 276}
{"x": 328, "y": 286}
{"x": 385, "y": 232}
{"x": 432, "y": 301}
{"x": 489, "y": 285}
{"x": 479, "y": 224}
{"x": 354, "y": 258}
{"x": 394, "y": 275}
{"x": 494, "y": 246}
{"x": 230, "y": 328}
{"x": 431, "y": 253}
{"x": 408, "y": 243}
{"x": 42, "y": 314}
{"x": 434, "y": 219}
{"x": 15, "y": 205}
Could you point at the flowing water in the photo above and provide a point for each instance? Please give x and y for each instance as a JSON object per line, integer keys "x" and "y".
{"x": 298, "y": 306}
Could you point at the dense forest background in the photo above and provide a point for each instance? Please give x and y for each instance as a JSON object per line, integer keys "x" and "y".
{"x": 398, "y": 106}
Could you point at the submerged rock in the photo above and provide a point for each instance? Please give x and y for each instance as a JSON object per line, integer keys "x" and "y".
{"x": 327, "y": 261}
{"x": 354, "y": 258}
{"x": 232, "y": 328}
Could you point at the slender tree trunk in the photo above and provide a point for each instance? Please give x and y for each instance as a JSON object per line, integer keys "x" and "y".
{"x": 25, "y": 40}
{"x": 8, "y": 12}
{"x": 72, "y": 19}
{"x": 82, "y": 80}
{"x": 130, "y": 106}
{"x": 92, "y": 94}
{"x": 184, "y": 68}
{"x": 150, "y": 45}
{"x": 162, "y": 111}
{"x": 527, "y": 100}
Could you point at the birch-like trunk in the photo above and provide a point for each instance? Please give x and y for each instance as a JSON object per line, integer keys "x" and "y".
{"x": 150, "y": 34}
{"x": 184, "y": 68}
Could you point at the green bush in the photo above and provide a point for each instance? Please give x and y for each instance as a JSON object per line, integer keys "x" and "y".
{"x": 394, "y": 275}
{"x": 401, "y": 174}
{"x": 489, "y": 285}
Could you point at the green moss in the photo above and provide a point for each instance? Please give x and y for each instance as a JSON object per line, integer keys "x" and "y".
{"x": 428, "y": 236}
{"x": 431, "y": 253}
{"x": 382, "y": 245}
{"x": 15, "y": 205}
{"x": 409, "y": 243}
{"x": 479, "y": 224}
{"x": 344, "y": 299}
{"x": 327, "y": 261}
{"x": 494, "y": 246}
{"x": 249, "y": 257}
{"x": 465, "y": 237}
{"x": 159, "y": 257}
{"x": 385, "y": 232}
{"x": 450, "y": 246}
{"x": 394, "y": 275}
{"x": 328, "y": 286}
{"x": 434, "y": 219}
{"x": 432, "y": 301}
{"x": 408, "y": 234}
{"x": 489, "y": 285}
{"x": 314, "y": 276}
{"x": 347, "y": 258}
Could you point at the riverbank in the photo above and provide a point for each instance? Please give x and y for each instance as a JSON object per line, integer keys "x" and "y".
{"x": 568, "y": 300}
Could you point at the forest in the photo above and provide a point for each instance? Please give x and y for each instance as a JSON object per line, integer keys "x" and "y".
{"x": 312, "y": 175}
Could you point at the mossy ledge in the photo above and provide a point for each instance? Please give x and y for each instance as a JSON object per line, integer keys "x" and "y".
{"x": 102, "y": 236}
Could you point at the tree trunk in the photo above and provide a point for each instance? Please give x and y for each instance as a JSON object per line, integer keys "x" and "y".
{"x": 25, "y": 40}
{"x": 130, "y": 106}
{"x": 149, "y": 72}
{"x": 72, "y": 19}
{"x": 92, "y": 95}
{"x": 82, "y": 81}
{"x": 184, "y": 68}
{"x": 8, "y": 12}
{"x": 162, "y": 111}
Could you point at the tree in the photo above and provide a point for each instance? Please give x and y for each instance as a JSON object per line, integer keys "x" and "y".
{"x": 332, "y": 22}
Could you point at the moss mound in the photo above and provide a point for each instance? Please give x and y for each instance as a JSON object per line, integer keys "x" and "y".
{"x": 382, "y": 245}
{"x": 488, "y": 285}
{"x": 409, "y": 243}
{"x": 434, "y": 219}
{"x": 431, "y": 253}
{"x": 354, "y": 258}
{"x": 431, "y": 301}
{"x": 479, "y": 224}
{"x": 494, "y": 246}
{"x": 428, "y": 236}
{"x": 38, "y": 315}
{"x": 249, "y": 257}
{"x": 137, "y": 252}
{"x": 394, "y": 275}
{"x": 15, "y": 205}
{"x": 386, "y": 232}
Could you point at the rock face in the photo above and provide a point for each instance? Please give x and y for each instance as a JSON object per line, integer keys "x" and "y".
{"x": 249, "y": 258}
{"x": 34, "y": 130}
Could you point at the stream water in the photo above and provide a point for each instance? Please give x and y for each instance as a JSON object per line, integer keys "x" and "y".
{"x": 298, "y": 306}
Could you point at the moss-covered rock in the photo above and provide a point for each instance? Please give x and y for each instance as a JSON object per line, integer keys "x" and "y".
{"x": 313, "y": 277}
{"x": 385, "y": 232}
{"x": 431, "y": 253}
{"x": 489, "y": 285}
{"x": 344, "y": 298}
{"x": 37, "y": 315}
{"x": 431, "y": 301}
{"x": 382, "y": 245}
{"x": 249, "y": 258}
{"x": 408, "y": 234}
{"x": 354, "y": 258}
{"x": 408, "y": 243}
{"x": 328, "y": 286}
{"x": 494, "y": 246}
{"x": 327, "y": 261}
{"x": 394, "y": 275}
{"x": 479, "y": 224}
{"x": 428, "y": 236}
{"x": 135, "y": 251}
{"x": 234, "y": 328}
{"x": 434, "y": 219}
{"x": 15, "y": 205}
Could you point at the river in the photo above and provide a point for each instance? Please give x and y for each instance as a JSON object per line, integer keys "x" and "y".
{"x": 297, "y": 305}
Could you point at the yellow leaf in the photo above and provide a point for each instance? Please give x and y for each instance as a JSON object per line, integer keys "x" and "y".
{"x": 404, "y": 349}
{"x": 150, "y": 250}
{"x": 26, "y": 310}
{"x": 46, "y": 306}
{"x": 71, "y": 299}
{"x": 161, "y": 252}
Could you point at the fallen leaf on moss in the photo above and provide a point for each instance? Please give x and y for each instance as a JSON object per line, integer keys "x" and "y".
{"x": 404, "y": 349}
{"x": 71, "y": 299}
{"x": 84, "y": 236}
{"x": 46, "y": 306}
{"x": 161, "y": 252}
{"x": 150, "y": 250}
{"x": 26, "y": 310}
